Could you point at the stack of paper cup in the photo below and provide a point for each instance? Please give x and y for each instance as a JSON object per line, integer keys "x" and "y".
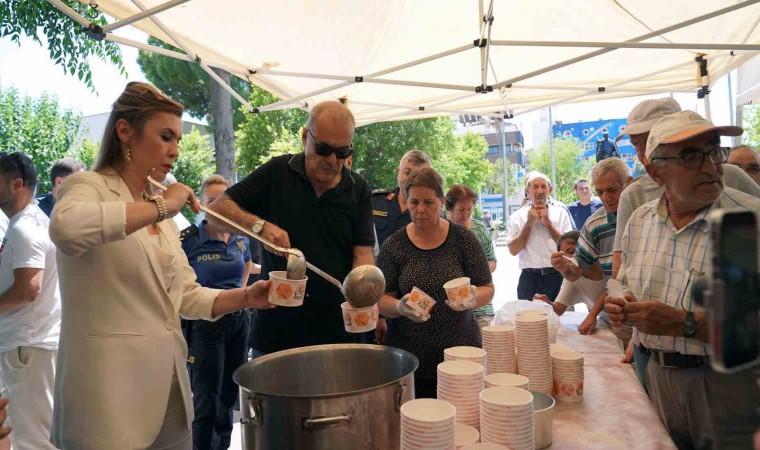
{"x": 499, "y": 344}
{"x": 567, "y": 368}
{"x": 531, "y": 312}
{"x": 428, "y": 423}
{"x": 506, "y": 417}
{"x": 485, "y": 446}
{"x": 507, "y": 379}
{"x": 463, "y": 353}
{"x": 460, "y": 383}
{"x": 533, "y": 358}
{"x": 466, "y": 435}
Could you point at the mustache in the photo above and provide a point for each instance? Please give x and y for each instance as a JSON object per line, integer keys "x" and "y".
{"x": 327, "y": 166}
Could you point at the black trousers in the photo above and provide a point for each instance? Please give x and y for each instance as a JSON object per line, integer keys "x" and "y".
{"x": 215, "y": 350}
{"x": 532, "y": 283}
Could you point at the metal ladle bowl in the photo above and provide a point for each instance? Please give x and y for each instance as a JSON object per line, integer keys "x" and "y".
{"x": 296, "y": 268}
{"x": 364, "y": 286}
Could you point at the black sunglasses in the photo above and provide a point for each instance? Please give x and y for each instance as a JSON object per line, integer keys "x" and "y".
{"x": 327, "y": 150}
{"x": 16, "y": 156}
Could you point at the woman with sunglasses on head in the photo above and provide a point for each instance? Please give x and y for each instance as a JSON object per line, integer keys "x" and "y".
{"x": 121, "y": 380}
{"x": 312, "y": 202}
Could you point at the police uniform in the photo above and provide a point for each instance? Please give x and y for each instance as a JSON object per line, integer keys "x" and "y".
{"x": 386, "y": 213}
{"x": 215, "y": 349}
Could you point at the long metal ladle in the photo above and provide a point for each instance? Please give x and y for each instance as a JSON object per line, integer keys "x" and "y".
{"x": 295, "y": 256}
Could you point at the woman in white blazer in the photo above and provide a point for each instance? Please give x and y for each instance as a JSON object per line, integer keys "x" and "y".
{"x": 121, "y": 380}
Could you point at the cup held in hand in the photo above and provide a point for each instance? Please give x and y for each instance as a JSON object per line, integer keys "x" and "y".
{"x": 286, "y": 292}
{"x": 420, "y": 301}
{"x": 458, "y": 290}
{"x": 359, "y": 320}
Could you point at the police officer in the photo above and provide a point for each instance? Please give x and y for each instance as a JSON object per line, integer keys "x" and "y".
{"x": 215, "y": 349}
{"x": 390, "y": 214}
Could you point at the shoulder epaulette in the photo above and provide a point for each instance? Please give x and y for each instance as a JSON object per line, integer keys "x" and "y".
{"x": 192, "y": 230}
{"x": 382, "y": 191}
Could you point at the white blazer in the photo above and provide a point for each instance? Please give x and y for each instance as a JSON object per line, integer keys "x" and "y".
{"x": 121, "y": 339}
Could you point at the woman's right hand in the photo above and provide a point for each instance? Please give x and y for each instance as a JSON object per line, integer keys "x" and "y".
{"x": 4, "y": 431}
{"x": 408, "y": 312}
{"x": 178, "y": 195}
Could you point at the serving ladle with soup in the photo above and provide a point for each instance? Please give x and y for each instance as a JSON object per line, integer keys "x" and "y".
{"x": 363, "y": 286}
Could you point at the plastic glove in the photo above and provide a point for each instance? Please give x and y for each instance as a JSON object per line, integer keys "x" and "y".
{"x": 467, "y": 304}
{"x": 409, "y": 312}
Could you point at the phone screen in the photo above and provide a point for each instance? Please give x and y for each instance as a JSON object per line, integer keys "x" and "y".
{"x": 740, "y": 332}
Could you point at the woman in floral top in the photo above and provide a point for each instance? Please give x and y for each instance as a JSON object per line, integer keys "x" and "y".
{"x": 460, "y": 200}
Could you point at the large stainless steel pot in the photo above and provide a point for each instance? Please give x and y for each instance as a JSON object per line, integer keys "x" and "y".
{"x": 325, "y": 397}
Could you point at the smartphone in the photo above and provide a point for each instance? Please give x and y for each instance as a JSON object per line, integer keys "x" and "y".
{"x": 734, "y": 307}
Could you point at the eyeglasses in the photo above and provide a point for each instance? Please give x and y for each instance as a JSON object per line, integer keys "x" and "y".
{"x": 693, "y": 158}
{"x": 326, "y": 150}
{"x": 16, "y": 156}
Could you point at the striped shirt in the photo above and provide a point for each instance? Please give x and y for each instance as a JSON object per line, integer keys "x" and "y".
{"x": 596, "y": 242}
{"x": 661, "y": 262}
{"x": 484, "y": 237}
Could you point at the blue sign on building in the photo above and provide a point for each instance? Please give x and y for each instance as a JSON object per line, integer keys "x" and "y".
{"x": 589, "y": 132}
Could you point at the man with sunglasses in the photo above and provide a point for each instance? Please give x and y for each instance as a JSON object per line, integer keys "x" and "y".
{"x": 30, "y": 307}
{"x": 665, "y": 247}
{"x": 312, "y": 202}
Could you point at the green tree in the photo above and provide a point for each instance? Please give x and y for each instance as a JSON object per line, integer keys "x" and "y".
{"x": 467, "y": 164}
{"x": 39, "y": 128}
{"x": 195, "y": 163}
{"x": 380, "y": 146}
{"x": 69, "y": 48}
{"x": 202, "y": 97}
{"x": 258, "y": 132}
{"x": 568, "y": 162}
{"x": 751, "y": 124}
{"x": 87, "y": 152}
{"x": 495, "y": 183}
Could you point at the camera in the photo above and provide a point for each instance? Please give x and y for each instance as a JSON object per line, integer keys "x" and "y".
{"x": 731, "y": 293}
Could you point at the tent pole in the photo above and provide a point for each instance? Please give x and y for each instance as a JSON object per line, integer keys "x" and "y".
{"x": 551, "y": 147}
{"x": 643, "y": 37}
{"x": 277, "y": 105}
{"x": 503, "y": 145}
{"x": 139, "y": 16}
{"x": 619, "y": 45}
{"x": 64, "y": 8}
{"x": 417, "y": 62}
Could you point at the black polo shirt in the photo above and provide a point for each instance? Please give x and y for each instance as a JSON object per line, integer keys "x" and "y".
{"x": 386, "y": 212}
{"x": 325, "y": 229}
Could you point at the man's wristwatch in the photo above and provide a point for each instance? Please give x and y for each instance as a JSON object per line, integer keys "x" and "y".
{"x": 258, "y": 226}
{"x": 689, "y": 325}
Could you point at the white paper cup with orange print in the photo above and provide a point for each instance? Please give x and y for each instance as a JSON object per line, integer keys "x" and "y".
{"x": 458, "y": 290}
{"x": 285, "y": 292}
{"x": 359, "y": 320}
{"x": 420, "y": 301}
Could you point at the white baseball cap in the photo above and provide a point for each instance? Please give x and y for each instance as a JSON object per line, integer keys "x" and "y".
{"x": 643, "y": 116}
{"x": 683, "y": 126}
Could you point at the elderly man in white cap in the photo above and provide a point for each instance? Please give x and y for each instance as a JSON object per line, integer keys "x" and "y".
{"x": 644, "y": 189}
{"x": 533, "y": 231}
{"x": 666, "y": 246}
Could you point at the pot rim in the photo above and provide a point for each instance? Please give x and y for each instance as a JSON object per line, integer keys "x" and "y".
{"x": 313, "y": 348}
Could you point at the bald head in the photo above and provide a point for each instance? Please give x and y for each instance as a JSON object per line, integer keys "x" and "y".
{"x": 334, "y": 112}
{"x": 748, "y": 159}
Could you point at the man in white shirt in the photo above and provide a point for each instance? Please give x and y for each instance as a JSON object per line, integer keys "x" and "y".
{"x": 666, "y": 246}
{"x": 533, "y": 231}
{"x": 30, "y": 307}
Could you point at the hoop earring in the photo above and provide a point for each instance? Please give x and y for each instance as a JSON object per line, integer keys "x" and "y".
{"x": 128, "y": 154}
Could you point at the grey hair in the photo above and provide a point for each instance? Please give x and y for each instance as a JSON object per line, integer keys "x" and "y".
{"x": 741, "y": 146}
{"x": 536, "y": 174}
{"x": 417, "y": 157}
{"x": 614, "y": 165}
{"x": 336, "y": 109}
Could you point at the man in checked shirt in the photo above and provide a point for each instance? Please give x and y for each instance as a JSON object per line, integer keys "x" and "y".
{"x": 666, "y": 246}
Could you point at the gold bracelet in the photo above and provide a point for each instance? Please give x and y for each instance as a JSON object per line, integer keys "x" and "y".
{"x": 160, "y": 204}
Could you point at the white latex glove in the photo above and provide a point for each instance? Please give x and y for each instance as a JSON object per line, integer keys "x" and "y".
{"x": 409, "y": 312}
{"x": 465, "y": 305}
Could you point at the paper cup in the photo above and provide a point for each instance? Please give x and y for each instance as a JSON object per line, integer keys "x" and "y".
{"x": 359, "y": 320}
{"x": 285, "y": 292}
{"x": 458, "y": 290}
{"x": 570, "y": 392}
{"x": 420, "y": 301}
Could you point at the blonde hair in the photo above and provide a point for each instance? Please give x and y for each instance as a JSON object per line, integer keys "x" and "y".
{"x": 211, "y": 180}
{"x": 138, "y": 103}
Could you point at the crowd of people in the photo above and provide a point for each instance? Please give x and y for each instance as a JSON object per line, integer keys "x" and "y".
{"x": 119, "y": 330}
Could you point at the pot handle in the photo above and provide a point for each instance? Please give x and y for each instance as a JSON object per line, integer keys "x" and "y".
{"x": 254, "y": 412}
{"x": 323, "y": 422}
{"x": 400, "y": 396}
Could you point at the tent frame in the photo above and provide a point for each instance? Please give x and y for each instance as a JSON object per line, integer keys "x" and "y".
{"x": 483, "y": 43}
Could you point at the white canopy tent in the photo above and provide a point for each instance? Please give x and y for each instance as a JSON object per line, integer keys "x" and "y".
{"x": 399, "y": 59}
